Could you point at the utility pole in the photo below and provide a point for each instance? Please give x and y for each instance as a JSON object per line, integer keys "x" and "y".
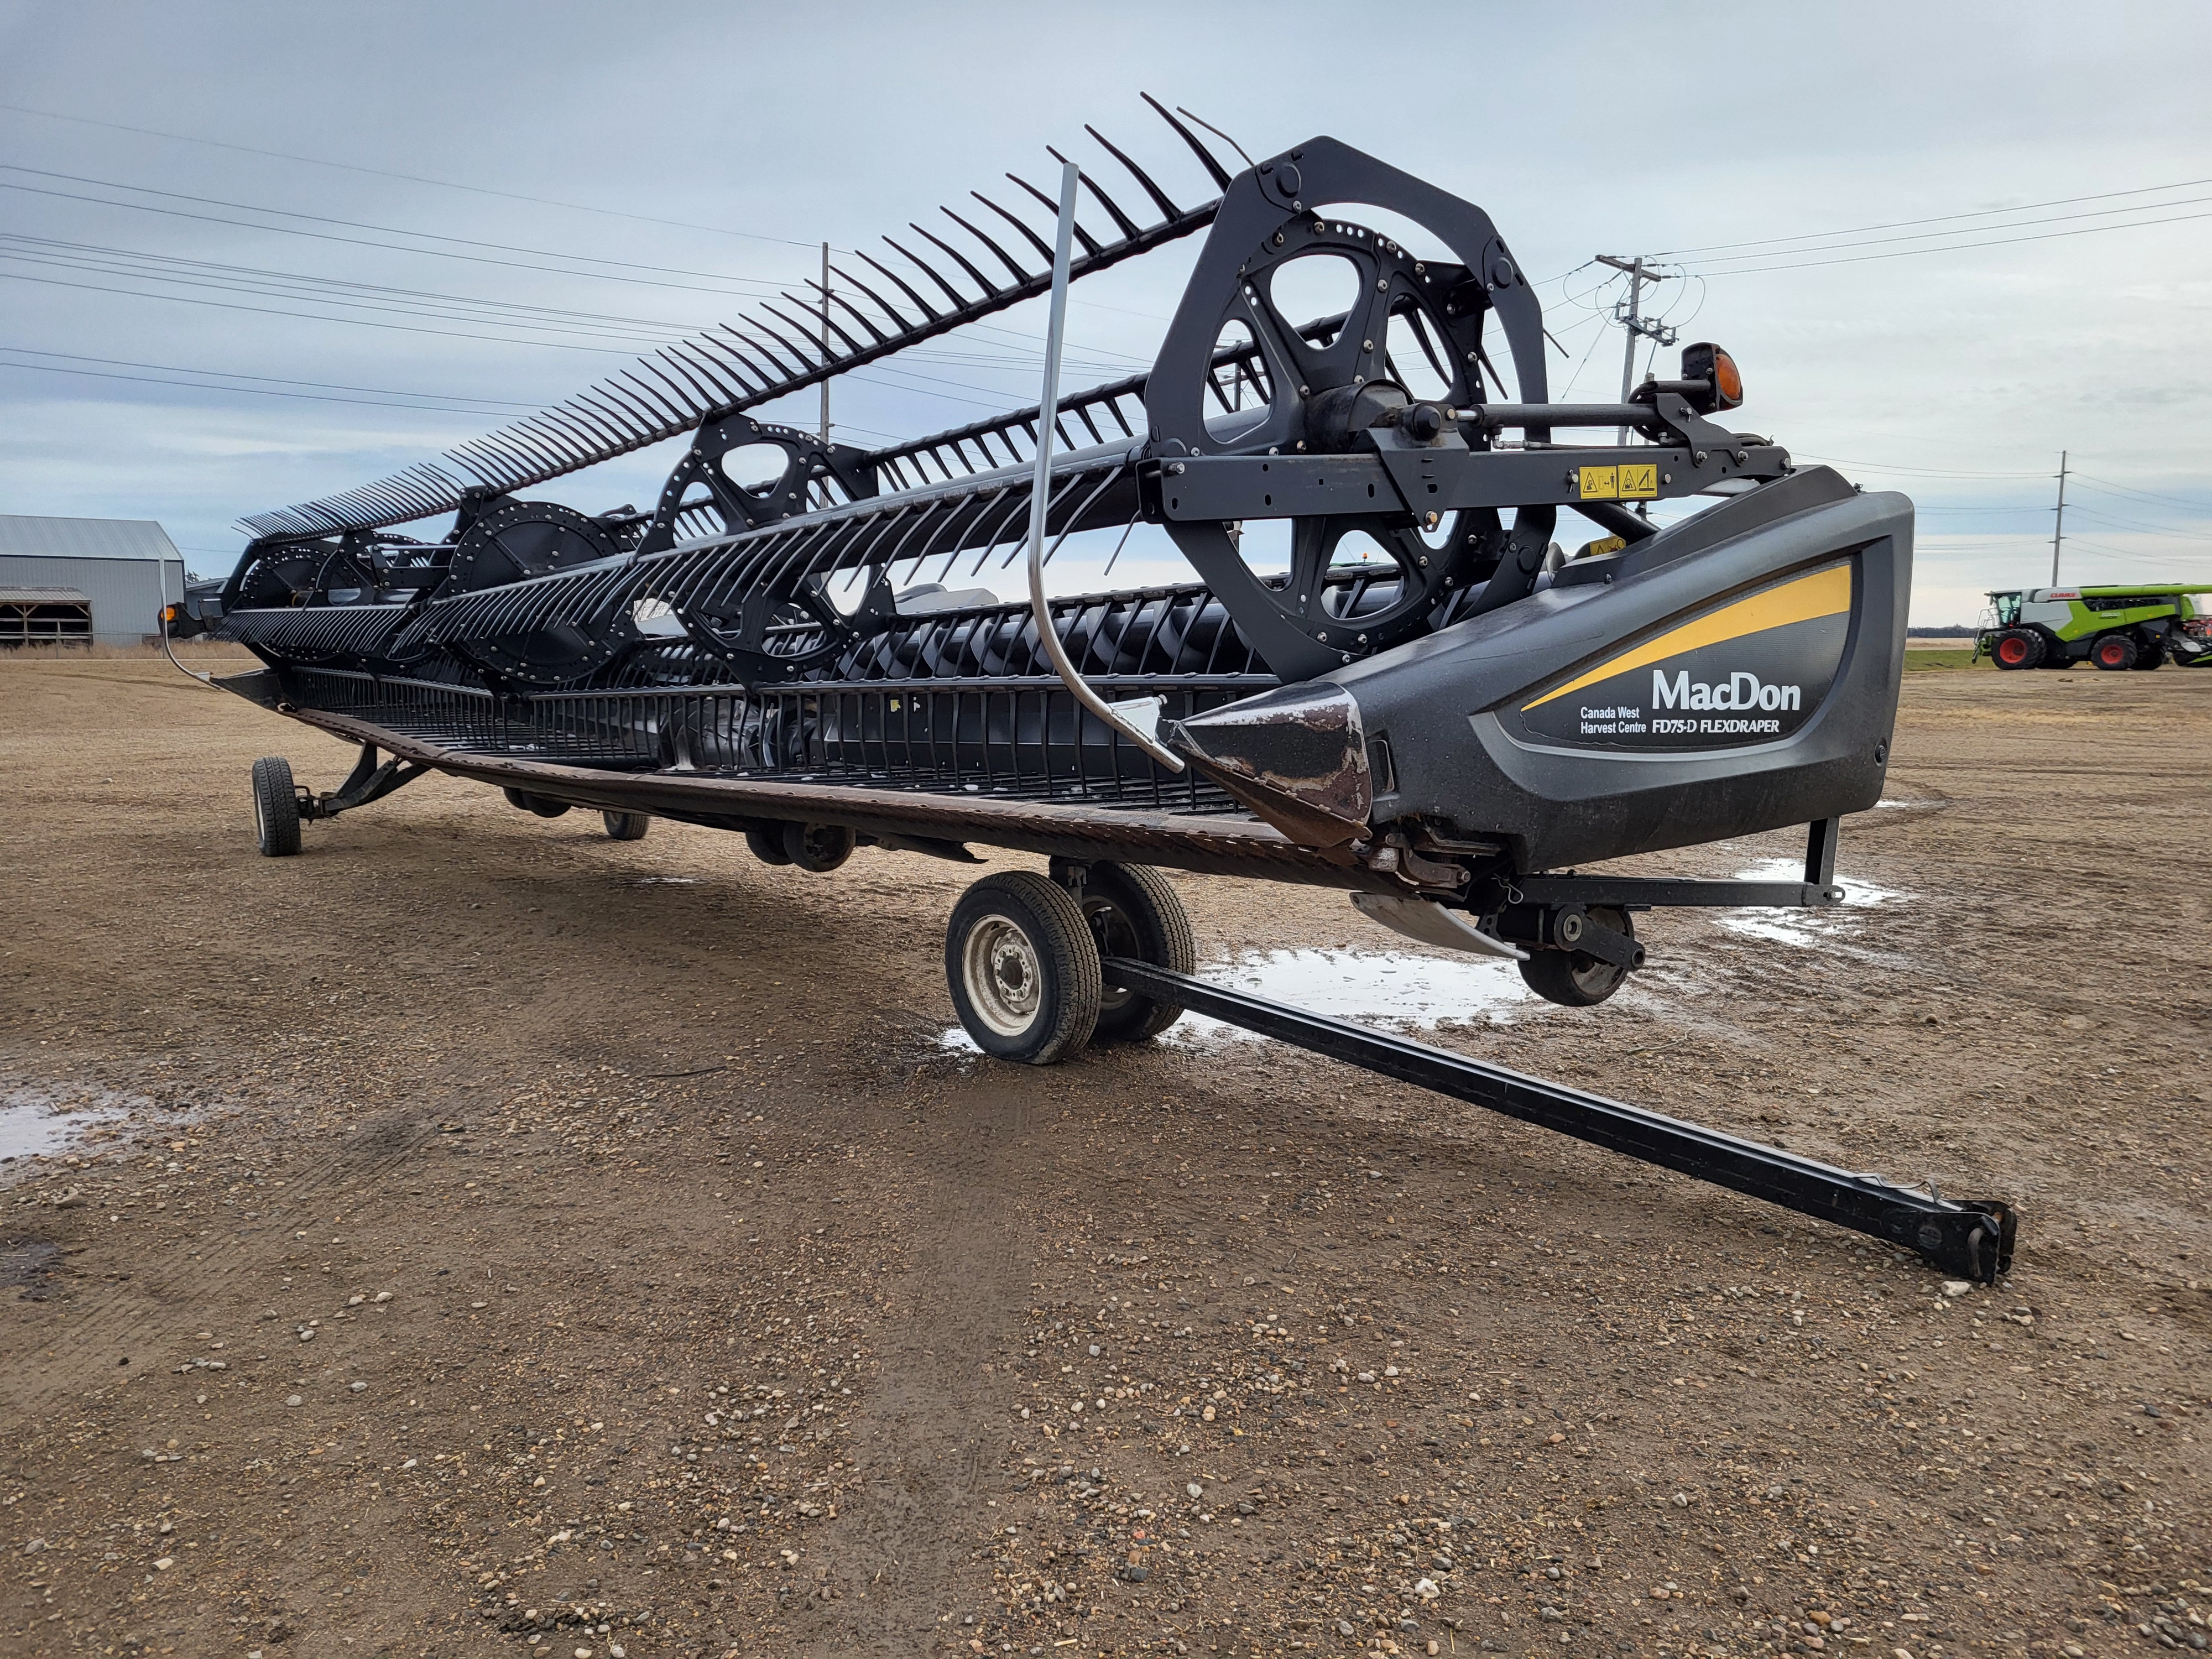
{"x": 825, "y": 341}
{"x": 2058, "y": 529}
{"x": 1630, "y": 315}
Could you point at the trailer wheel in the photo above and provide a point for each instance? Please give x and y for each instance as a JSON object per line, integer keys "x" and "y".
{"x": 276, "y": 808}
{"x": 817, "y": 848}
{"x": 626, "y": 826}
{"x": 1022, "y": 969}
{"x": 767, "y": 844}
{"x": 2153, "y": 655}
{"x": 2018, "y": 647}
{"x": 537, "y": 806}
{"x": 1134, "y": 912}
{"x": 2114, "y": 652}
{"x": 1576, "y": 978}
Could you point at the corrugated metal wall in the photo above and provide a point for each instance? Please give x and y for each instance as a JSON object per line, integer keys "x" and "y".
{"x": 126, "y": 566}
{"x": 126, "y": 594}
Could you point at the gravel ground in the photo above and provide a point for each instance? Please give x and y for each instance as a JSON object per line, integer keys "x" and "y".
{"x": 487, "y": 1238}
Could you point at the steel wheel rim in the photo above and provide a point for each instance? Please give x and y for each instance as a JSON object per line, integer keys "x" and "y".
{"x": 1004, "y": 978}
{"x": 260, "y": 818}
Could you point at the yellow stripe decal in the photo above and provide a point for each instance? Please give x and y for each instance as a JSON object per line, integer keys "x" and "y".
{"x": 1824, "y": 594}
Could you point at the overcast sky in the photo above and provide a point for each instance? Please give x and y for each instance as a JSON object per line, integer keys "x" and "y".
{"x": 2001, "y": 218}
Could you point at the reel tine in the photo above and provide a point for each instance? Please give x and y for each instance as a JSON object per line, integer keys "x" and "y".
{"x": 1168, "y": 209}
{"x": 828, "y": 318}
{"x": 1129, "y": 226}
{"x": 824, "y": 357}
{"x": 897, "y": 321}
{"x": 734, "y": 389}
{"x": 980, "y": 280}
{"x": 653, "y": 399}
{"x": 1020, "y": 275}
{"x": 605, "y": 413}
{"x": 904, "y": 288}
{"x": 563, "y": 442}
{"x": 1204, "y": 156}
{"x": 1090, "y": 242}
{"x": 783, "y": 370}
{"x": 589, "y": 440}
{"x": 706, "y": 400}
{"x": 830, "y": 296}
{"x": 797, "y": 351}
{"x": 743, "y": 359}
{"x": 463, "y": 456}
{"x": 729, "y": 360}
{"x": 641, "y": 419}
{"x": 930, "y": 271}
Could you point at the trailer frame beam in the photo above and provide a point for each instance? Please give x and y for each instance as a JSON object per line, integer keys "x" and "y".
{"x": 1970, "y": 1238}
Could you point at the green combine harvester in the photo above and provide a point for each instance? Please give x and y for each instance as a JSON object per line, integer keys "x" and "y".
{"x": 2115, "y": 627}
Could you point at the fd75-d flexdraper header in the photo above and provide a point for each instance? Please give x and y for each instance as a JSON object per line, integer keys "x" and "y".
{"x": 1440, "y": 727}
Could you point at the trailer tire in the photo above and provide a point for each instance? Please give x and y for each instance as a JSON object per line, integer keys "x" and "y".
{"x": 2018, "y": 647}
{"x": 535, "y": 806}
{"x": 276, "y": 808}
{"x": 2152, "y": 656}
{"x": 626, "y": 826}
{"x": 2114, "y": 652}
{"x": 767, "y": 843}
{"x": 1576, "y": 978}
{"x": 817, "y": 849}
{"x": 1134, "y": 912}
{"x": 1022, "y": 969}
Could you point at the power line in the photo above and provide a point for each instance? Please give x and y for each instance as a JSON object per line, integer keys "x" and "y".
{"x": 1926, "y": 471}
{"x": 1959, "y": 247}
{"x": 408, "y": 177}
{"x": 616, "y": 265}
{"x": 1941, "y": 218}
{"x": 310, "y": 316}
{"x": 272, "y": 379}
{"x": 2148, "y": 495}
{"x": 262, "y": 273}
{"x": 2021, "y": 224}
{"x": 259, "y": 392}
{"x": 314, "y": 292}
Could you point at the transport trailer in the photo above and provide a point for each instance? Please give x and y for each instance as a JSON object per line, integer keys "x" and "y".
{"x": 1384, "y": 676}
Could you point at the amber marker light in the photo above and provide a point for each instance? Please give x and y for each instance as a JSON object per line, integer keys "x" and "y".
{"x": 1723, "y": 380}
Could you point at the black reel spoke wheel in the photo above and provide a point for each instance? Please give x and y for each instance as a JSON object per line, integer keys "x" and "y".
{"x": 513, "y": 542}
{"x": 1022, "y": 969}
{"x": 1133, "y": 913}
{"x": 626, "y": 826}
{"x": 1247, "y": 370}
{"x": 1576, "y": 978}
{"x": 276, "y": 808}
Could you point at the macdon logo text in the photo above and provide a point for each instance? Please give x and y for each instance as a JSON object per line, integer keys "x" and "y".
{"x": 1741, "y": 690}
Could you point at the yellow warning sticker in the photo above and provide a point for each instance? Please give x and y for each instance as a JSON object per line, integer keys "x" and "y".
{"x": 1603, "y": 544}
{"x": 1599, "y": 483}
{"x": 1641, "y": 479}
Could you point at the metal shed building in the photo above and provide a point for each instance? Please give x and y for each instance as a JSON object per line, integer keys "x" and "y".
{"x": 124, "y": 569}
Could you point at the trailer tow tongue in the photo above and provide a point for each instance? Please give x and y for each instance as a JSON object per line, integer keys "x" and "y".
{"x": 1972, "y": 1238}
